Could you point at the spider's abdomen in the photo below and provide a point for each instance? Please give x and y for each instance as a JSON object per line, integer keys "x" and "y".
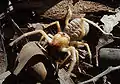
{"x": 73, "y": 29}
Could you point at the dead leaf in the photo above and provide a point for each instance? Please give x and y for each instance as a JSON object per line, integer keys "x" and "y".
{"x": 110, "y": 21}
{"x": 27, "y": 52}
{"x": 64, "y": 78}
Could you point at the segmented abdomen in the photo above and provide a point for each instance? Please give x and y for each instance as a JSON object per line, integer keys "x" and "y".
{"x": 73, "y": 29}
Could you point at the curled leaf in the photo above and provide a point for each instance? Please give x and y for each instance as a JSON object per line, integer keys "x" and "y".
{"x": 27, "y": 52}
{"x": 110, "y": 21}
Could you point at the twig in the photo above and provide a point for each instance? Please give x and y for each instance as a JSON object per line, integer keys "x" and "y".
{"x": 19, "y": 31}
{"x": 94, "y": 79}
{"x": 3, "y": 47}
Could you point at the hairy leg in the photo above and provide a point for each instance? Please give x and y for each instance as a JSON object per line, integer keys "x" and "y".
{"x": 73, "y": 58}
{"x": 54, "y": 23}
{"x": 68, "y": 16}
{"x": 29, "y": 34}
{"x": 94, "y": 24}
{"x": 77, "y": 43}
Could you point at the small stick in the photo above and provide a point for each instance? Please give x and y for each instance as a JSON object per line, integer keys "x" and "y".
{"x": 18, "y": 28}
{"x": 107, "y": 71}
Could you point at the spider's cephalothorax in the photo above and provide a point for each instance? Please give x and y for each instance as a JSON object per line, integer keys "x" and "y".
{"x": 60, "y": 40}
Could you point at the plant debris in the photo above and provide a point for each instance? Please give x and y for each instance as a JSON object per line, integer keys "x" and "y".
{"x": 110, "y": 21}
{"x": 79, "y": 9}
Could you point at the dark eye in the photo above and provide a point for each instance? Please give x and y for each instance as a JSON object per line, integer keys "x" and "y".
{"x": 64, "y": 34}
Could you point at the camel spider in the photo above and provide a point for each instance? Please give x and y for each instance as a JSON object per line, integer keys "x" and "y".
{"x": 67, "y": 40}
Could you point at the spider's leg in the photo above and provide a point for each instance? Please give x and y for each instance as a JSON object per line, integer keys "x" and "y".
{"x": 69, "y": 54}
{"x": 68, "y": 16}
{"x": 89, "y": 51}
{"x": 77, "y": 43}
{"x": 50, "y": 35}
{"x": 42, "y": 37}
{"x": 77, "y": 57}
{"x": 73, "y": 58}
{"x": 54, "y": 23}
{"x": 29, "y": 34}
{"x": 94, "y": 24}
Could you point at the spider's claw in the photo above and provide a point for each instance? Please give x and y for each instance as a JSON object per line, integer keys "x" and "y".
{"x": 68, "y": 15}
{"x": 73, "y": 59}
